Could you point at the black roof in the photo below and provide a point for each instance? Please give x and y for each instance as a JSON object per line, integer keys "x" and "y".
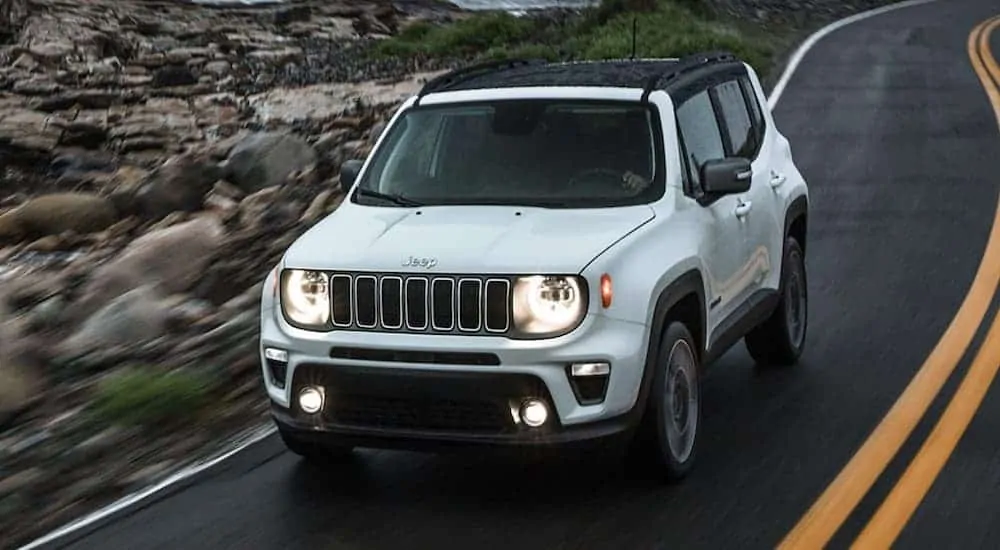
{"x": 621, "y": 73}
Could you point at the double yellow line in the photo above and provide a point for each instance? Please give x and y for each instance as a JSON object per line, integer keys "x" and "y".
{"x": 829, "y": 512}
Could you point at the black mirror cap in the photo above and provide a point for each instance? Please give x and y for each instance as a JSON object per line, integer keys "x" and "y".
{"x": 349, "y": 171}
{"x": 726, "y": 176}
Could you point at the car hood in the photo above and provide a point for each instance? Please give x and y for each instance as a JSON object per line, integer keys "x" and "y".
{"x": 463, "y": 239}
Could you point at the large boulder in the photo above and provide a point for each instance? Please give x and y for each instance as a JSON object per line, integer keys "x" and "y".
{"x": 19, "y": 382}
{"x": 80, "y": 213}
{"x": 179, "y": 184}
{"x": 267, "y": 159}
{"x": 173, "y": 258}
{"x": 136, "y": 317}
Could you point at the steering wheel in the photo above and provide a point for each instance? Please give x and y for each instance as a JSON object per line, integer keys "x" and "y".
{"x": 603, "y": 173}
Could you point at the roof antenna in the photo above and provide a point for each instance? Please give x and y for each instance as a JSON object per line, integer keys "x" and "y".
{"x": 635, "y": 23}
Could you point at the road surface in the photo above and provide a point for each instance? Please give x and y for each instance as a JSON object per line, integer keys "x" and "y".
{"x": 891, "y": 126}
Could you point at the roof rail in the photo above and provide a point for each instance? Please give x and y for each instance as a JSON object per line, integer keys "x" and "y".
{"x": 684, "y": 65}
{"x": 445, "y": 81}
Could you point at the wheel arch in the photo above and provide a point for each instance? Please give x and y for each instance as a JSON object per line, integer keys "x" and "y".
{"x": 796, "y": 220}
{"x": 683, "y": 299}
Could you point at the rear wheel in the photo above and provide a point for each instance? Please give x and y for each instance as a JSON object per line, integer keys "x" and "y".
{"x": 780, "y": 339}
{"x": 314, "y": 452}
{"x": 669, "y": 437}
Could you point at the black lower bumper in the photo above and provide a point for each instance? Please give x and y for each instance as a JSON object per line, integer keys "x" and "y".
{"x": 431, "y": 410}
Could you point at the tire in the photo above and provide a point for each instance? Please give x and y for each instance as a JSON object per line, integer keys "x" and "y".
{"x": 780, "y": 339}
{"x": 315, "y": 453}
{"x": 668, "y": 438}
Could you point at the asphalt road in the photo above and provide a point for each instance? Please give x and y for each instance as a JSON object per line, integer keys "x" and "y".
{"x": 894, "y": 133}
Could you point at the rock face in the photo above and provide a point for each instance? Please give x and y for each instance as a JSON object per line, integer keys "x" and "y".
{"x": 180, "y": 184}
{"x": 18, "y": 383}
{"x": 158, "y": 158}
{"x": 172, "y": 258}
{"x": 267, "y": 159}
{"x": 58, "y": 213}
{"x": 130, "y": 319}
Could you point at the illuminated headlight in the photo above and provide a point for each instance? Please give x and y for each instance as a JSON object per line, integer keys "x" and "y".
{"x": 305, "y": 298}
{"x": 548, "y": 306}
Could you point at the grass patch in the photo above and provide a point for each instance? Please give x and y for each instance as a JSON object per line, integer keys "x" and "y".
{"x": 148, "y": 398}
{"x": 673, "y": 28}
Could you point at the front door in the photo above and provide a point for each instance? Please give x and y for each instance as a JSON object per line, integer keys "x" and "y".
{"x": 727, "y": 256}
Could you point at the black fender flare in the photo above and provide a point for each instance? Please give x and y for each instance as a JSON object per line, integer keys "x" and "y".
{"x": 690, "y": 282}
{"x": 798, "y": 208}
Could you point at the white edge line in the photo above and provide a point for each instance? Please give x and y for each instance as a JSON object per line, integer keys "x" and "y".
{"x": 264, "y": 432}
{"x": 240, "y": 444}
{"x": 815, "y": 37}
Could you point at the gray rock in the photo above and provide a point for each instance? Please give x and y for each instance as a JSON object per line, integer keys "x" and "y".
{"x": 266, "y": 159}
{"x": 172, "y": 258}
{"x": 58, "y": 213}
{"x": 179, "y": 184}
{"x": 133, "y": 318}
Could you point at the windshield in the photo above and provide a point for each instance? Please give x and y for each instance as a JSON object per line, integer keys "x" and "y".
{"x": 553, "y": 153}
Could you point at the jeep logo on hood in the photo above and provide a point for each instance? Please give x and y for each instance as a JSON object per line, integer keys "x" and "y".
{"x": 425, "y": 263}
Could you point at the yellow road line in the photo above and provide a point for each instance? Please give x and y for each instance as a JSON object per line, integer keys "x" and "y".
{"x": 831, "y": 509}
{"x": 890, "y": 519}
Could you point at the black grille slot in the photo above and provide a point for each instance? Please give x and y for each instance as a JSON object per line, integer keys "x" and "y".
{"x": 391, "y": 295}
{"x": 470, "y": 304}
{"x": 496, "y": 308}
{"x": 365, "y": 308}
{"x": 416, "y": 303}
{"x": 407, "y": 356}
{"x": 443, "y": 304}
{"x": 341, "y": 300}
{"x": 420, "y": 414}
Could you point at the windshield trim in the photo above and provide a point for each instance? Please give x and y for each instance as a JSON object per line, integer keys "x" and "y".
{"x": 657, "y": 184}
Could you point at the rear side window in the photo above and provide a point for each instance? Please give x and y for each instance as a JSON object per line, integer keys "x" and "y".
{"x": 738, "y": 125}
{"x": 756, "y": 113}
{"x": 700, "y": 133}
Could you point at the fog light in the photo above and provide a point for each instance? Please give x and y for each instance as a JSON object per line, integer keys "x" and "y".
{"x": 534, "y": 412}
{"x": 311, "y": 400}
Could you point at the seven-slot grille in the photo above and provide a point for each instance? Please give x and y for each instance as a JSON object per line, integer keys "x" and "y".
{"x": 415, "y": 303}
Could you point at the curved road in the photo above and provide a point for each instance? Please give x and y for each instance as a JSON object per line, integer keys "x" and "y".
{"x": 890, "y": 125}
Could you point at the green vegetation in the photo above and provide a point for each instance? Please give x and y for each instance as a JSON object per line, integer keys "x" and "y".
{"x": 669, "y": 28}
{"x": 148, "y": 398}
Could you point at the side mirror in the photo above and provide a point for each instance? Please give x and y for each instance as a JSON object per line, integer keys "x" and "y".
{"x": 349, "y": 171}
{"x": 726, "y": 176}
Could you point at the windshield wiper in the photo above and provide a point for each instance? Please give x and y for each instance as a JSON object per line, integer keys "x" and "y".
{"x": 389, "y": 197}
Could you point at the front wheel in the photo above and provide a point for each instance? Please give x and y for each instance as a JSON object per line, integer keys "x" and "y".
{"x": 673, "y": 417}
{"x": 779, "y": 340}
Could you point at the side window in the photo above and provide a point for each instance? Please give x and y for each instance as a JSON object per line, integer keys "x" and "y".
{"x": 700, "y": 133}
{"x": 755, "y": 109}
{"x": 739, "y": 128}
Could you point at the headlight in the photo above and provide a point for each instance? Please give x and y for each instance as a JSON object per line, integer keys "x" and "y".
{"x": 305, "y": 298}
{"x": 548, "y": 306}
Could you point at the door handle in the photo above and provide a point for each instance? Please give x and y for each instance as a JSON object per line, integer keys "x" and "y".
{"x": 743, "y": 208}
{"x": 777, "y": 179}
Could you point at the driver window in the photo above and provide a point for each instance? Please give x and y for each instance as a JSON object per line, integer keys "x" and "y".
{"x": 700, "y": 132}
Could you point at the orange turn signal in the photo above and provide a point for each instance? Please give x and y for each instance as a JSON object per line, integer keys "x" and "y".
{"x": 606, "y": 293}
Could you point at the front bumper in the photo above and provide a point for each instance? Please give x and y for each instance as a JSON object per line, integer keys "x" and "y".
{"x": 428, "y": 409}
{"x": 402, "y": 390}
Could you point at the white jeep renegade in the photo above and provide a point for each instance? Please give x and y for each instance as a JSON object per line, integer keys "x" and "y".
{"x": 539, "y": 254}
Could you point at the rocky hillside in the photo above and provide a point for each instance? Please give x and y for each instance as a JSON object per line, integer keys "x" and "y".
{"x": 157, "y": 159}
